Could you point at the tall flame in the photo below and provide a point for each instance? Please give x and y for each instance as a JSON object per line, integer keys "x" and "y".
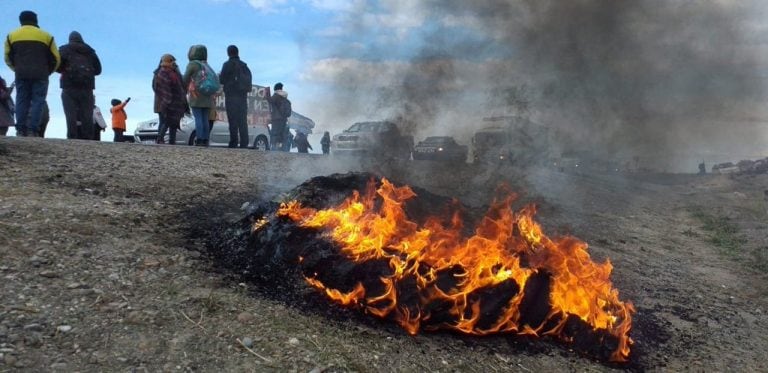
{"x": 506, "y": 246}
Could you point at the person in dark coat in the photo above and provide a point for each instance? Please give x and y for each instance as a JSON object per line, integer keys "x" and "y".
{"x": 6, "y": 107}
{"x": 32, "y": 55}
{"x": 170, "y": 98}
{"x": 236, "y": 97}
{"x": 325, "y": 142}
{"x": 280, "y": 110}
{"x": 44, "y": 119}
{"x": 301, "y": 142}
{"x": 79, "y": 67}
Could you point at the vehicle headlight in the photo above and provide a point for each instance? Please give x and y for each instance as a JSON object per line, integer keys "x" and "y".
{"x": 440, "y": 149}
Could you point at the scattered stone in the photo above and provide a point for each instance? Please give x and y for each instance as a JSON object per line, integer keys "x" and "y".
{"x": 59, "y": 367}
{"x": 10, "y": 360}
{"x": 245, "y": 317}
{"x": 49, "y": 274}
{"x": 133, "y": 317}
{"x": 150, "y": 262}
{"x": 293, "y": 341}
{"x": 247, "y": 342}
{"x": 112, "y": 306}
{"x": 64, "y": 328}
{"x": 34, "y": 339}
{"x": 78, "y": 285}
{"x": 245, "y": 205}
{"x": 34, "y": 327}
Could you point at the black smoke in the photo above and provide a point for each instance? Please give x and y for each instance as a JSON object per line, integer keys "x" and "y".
{"x": 620, "y": 78}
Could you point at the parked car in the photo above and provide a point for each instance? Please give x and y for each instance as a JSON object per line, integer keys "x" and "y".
{"x": 440, "y": 148}
{"x": 511, "y": 139}
{"x": 380, "y": 138}
{"x": 258, "y": 135}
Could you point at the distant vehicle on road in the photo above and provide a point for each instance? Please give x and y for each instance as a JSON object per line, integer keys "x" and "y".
{"x": 512, "y": 139}
{"x": 380, "y": 138}
{"x": 440, "y": 148}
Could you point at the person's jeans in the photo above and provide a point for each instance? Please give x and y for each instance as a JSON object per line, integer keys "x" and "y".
{"x": 119, "y": 136}
{"x": 237, "y": 115}
{"x": 78, "y": 106}
{"x": 30, "y": 98}
{"x": 201, "y": 122}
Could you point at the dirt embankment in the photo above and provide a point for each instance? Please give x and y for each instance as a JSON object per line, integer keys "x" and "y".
{"x": 104, "y": 266}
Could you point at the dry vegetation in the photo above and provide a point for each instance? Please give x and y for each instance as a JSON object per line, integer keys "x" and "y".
{"x": 104, "y": 266}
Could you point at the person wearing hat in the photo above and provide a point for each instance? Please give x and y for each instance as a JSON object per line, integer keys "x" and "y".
{"x": 32, "y": 55}
{"x": 79, "y": 67}
{"x": 280, "y": 110}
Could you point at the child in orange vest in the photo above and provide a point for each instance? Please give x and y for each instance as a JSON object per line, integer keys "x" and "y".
{"x": 118, "y": 117}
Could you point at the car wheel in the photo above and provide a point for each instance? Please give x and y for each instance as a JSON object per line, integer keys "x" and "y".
{"x": 261, "y": 143}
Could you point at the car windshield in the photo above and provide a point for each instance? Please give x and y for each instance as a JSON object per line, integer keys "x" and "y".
{"x": 437, "y": 140}
{"x": 363, "y": 127}
{"x": 489, "y": 139}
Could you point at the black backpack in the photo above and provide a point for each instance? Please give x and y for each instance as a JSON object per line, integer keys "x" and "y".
{"x": 243, "y": 79}
{"x": 79, "y": 69}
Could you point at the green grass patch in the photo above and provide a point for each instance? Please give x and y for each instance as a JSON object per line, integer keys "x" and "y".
{"x": 723, "y": 233}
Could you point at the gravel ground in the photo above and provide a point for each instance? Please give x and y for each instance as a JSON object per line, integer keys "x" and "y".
{"x": 104, "y": 266}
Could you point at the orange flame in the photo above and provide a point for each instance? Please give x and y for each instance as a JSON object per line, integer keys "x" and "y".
{"x": 493, "y": 255}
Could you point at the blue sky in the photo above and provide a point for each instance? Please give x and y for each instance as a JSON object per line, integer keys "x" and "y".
{"x": 275, "y": 39}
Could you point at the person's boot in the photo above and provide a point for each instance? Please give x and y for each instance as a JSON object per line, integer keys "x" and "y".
{"x": 160, "y": 141}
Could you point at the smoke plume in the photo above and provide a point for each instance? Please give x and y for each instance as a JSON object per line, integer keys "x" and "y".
{"x": 619, "y": 78}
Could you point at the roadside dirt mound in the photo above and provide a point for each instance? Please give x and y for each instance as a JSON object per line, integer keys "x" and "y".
{"x": 103, "y": 257}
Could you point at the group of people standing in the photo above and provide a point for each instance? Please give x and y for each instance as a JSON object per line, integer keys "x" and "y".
{"x": 33, "y": 56}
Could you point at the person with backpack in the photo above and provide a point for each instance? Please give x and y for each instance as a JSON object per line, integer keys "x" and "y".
{"x": 202, "y": 83}
{"x": 32, "y": 55}
{"x": 280, "y": 110}
{"x": 79, "y": 67}
{"x": 237, "y": 81}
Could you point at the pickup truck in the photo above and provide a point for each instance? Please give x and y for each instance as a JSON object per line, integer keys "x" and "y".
{"x": 380, "y": 138}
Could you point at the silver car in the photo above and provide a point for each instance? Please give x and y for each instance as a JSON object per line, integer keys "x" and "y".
{"x": 147, "y": 131}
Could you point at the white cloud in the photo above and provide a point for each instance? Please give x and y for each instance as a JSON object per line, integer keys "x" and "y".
{"x": 267, "y": 6}
{"x": 337, "y": 5}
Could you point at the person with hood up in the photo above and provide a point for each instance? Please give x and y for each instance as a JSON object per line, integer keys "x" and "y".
{"x": 200, "y": 103}
{"x": 280, "y": 110}
{"x": 325, "y": 142}
{"x": 79, "y": 67}
{"x": 32, "y": 55}
{"x": 170, "y": 100}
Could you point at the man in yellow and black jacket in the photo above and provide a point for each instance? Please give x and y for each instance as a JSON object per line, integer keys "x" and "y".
{"x": 32, "y": 54}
